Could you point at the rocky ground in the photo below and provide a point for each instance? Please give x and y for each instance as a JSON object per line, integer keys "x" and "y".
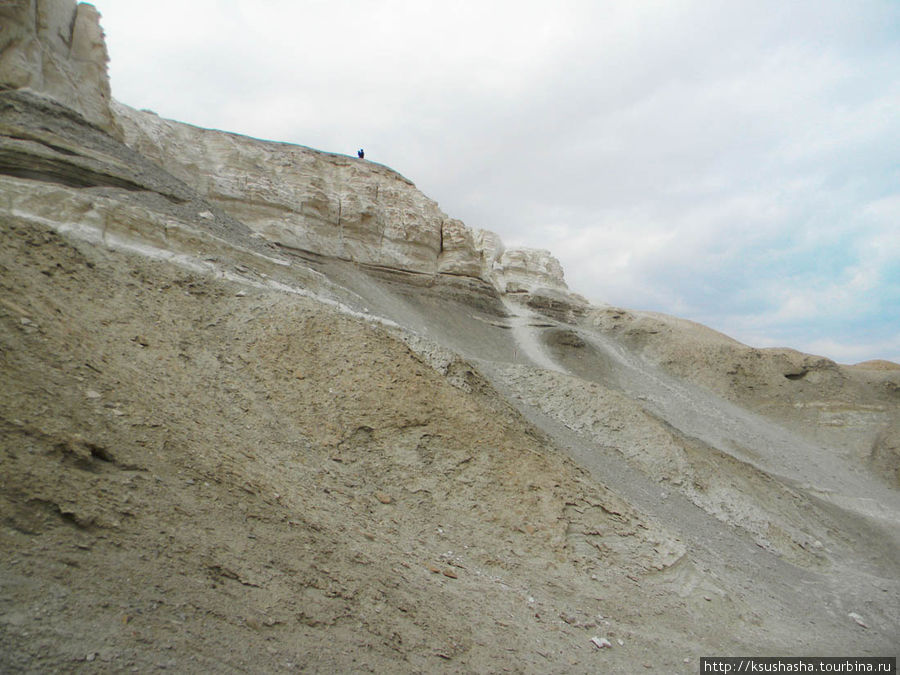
{"x": 223, "y": 455}
{"x": 202, "y": 477}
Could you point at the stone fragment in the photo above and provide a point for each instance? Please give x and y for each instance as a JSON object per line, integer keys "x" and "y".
{"x": 601, "y": 643}
{"x": 383, "y": 497}
{"x": 858, "y": 619}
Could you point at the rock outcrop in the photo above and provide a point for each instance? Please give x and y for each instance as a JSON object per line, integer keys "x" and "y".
{"x": 57, "y": 49}
{"x": 459, "y": 254}
{"x": 305, "y": 199}
{"x": 525, "y": 270}
{"x": 335, "y": 205}
{"x": 298, "y": 197}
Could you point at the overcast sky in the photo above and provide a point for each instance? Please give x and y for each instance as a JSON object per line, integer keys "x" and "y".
{"x": 735, "y": 163}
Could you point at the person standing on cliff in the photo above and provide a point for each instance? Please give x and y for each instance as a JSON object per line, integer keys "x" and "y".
{"x": 361, "y": 153}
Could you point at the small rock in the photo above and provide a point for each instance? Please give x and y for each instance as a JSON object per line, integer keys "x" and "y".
{"x": 621, "y": 642}
{"x": 141, "y": 340}
{"x": 858, "y": 619}
{"x": 91, "y": 656}
{"x": 383, "y": 497}
{"x": 601, "y": 643}
{"x": 206, "y": 215}
{"x": 90, "y": 393}
{"x": 240, "y": 294}
{"x": 434, "y": 570}
{"x": 299, "y": 375}
{"x": 450, "y": 573}
{"x": 25, "y": 321}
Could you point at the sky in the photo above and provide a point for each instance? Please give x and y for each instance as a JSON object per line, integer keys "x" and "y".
{"x": 732, "y": 162}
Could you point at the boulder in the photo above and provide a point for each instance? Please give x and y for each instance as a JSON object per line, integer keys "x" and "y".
{"x": 525, "y": 270}
{"x": 458, "y": 251}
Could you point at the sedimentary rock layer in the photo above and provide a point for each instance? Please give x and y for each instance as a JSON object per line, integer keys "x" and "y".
{"x": 57, "y": 48}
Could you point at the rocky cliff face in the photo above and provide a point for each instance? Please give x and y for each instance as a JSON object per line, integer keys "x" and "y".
{"x": 334, "y": 205}
{"x": 298, "y": 197}
{"x": 57, "y": 49}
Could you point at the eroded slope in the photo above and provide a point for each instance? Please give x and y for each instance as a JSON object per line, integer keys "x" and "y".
{"x": 211, "y": 476}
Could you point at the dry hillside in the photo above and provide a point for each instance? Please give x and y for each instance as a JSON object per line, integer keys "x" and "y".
{"x": 268, "y": 409}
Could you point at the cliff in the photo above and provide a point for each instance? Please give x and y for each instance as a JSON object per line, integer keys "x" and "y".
{"x": 56, "y": 47}
{"x": 334, "y": 205}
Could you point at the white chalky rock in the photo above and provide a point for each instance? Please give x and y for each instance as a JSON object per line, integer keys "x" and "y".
{"x": 334, "y": 205}
{"x": 56, "y": 48}
{"x": 858, "y": 619}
